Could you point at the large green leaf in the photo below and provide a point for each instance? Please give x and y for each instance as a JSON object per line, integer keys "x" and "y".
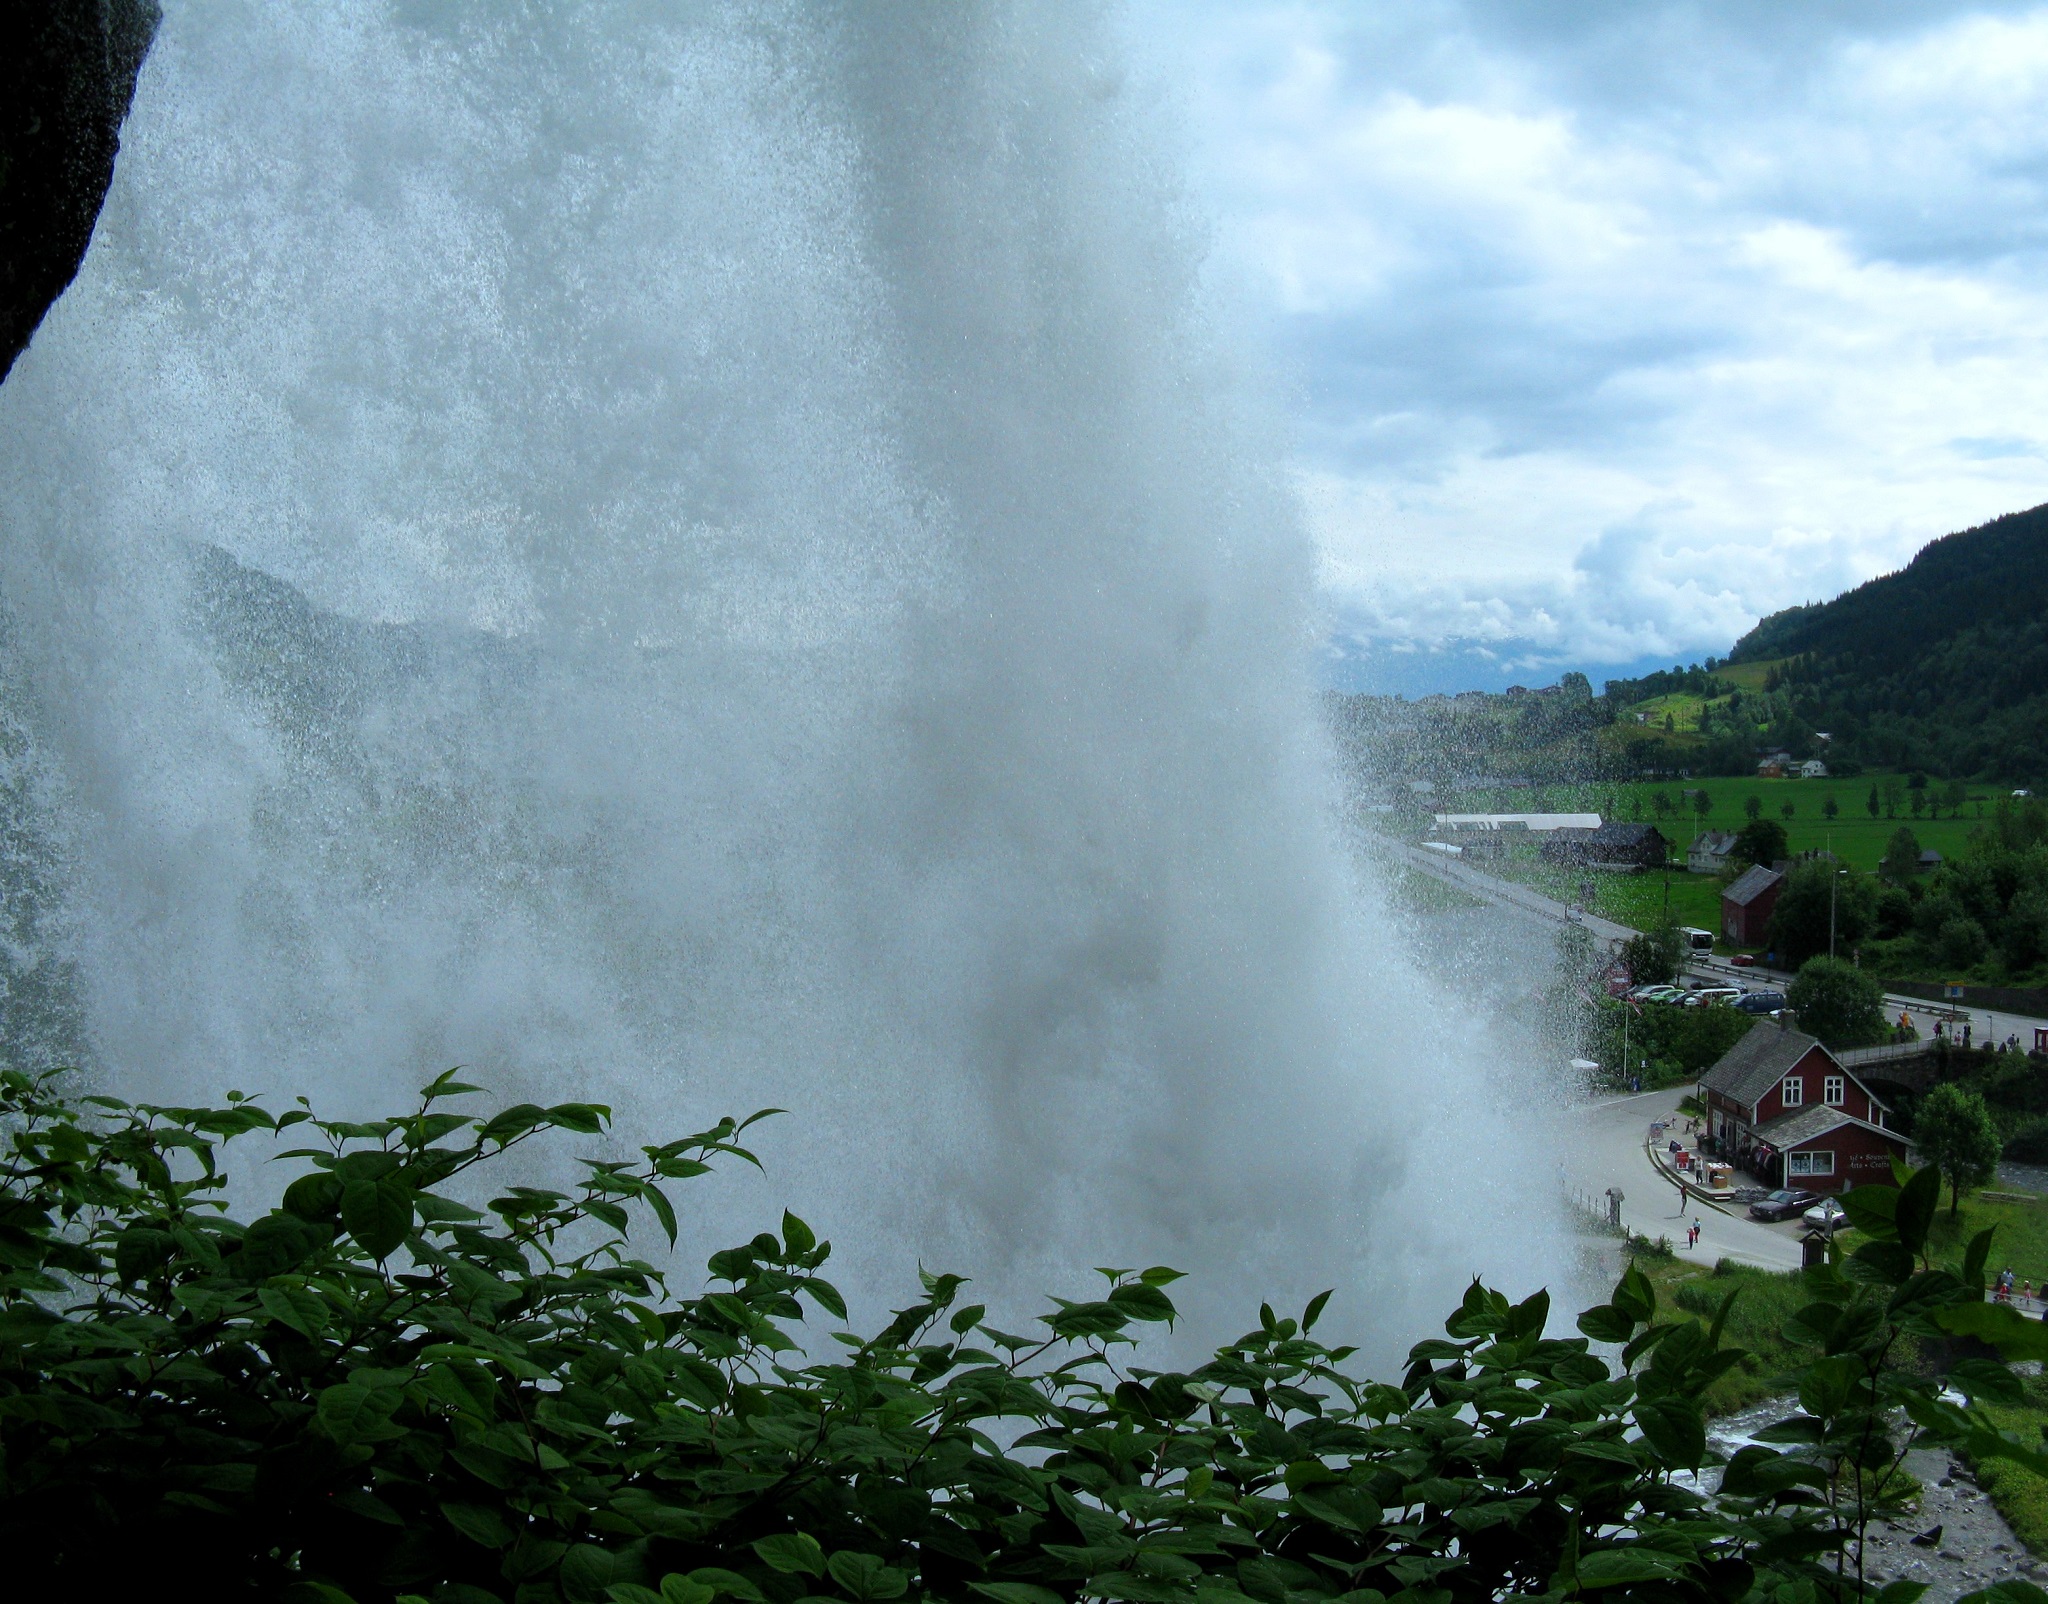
{"x": 141, "y": 1250}
{"x": 1619, "y": 1567}
{"x": 1142, "y": 1302}
{"x": 588, "y": 1571}
{"x": 1873, "y": 1210}
{"x": 2000, "y": 1325}
{"x": 1607, "y": 1322}
{"x": 2014, "y": 1590}
{"x": 1346, "y": 1508}
{"x": 352, "y": 1414}
{"x": 1087, "y": 1320}
{"x": 723, "y": 1583}
{"x": 277, "y": 1243}
{"x": 1983, "y": 1381}
{"x": 314, "y": 1197}
{"x": 791, "y": 1553}
{"x": 1635, "y": 1296}
{"x": 865, "y": 1576}
{"x": 378, "y": 1214}
{"x": 587, "y": 1118}
{"x": 296, "y": 1307}
{"x": 1881, "y": 1263}
{"x": 1974, "y": 1257}
{"x": 1917, "y": 1203}
{"x": 479, "y": 1523}
{"x": 1676, "y": 1429}
{"x": 1017, "y": 1593}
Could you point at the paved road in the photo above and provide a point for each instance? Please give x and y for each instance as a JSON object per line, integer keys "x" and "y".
{"x": 1506, "y": 894}
{"x": 1610, "y": 1152}
{"x": 1988, "y": 1027}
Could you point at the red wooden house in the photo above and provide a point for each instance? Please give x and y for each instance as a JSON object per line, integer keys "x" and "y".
{"x": 1781, "y": 1106}
{"x": 1746, "y": 906}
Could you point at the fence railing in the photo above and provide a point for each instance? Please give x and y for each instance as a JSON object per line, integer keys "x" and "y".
{"x": 1894, "y": 1052}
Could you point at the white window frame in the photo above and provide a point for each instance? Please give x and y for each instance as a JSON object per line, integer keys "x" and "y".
{"x": 1792, "y": 1091}
{"x": 1835, "y": 1090}
{"x": 1814, "y": 1161}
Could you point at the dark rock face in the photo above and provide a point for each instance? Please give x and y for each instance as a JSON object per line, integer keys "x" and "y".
{"x": 67, "y": 74}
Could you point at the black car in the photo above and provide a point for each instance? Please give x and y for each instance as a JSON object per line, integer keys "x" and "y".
{"x": 1782, "y": 1205}
{"x": 1760, "y": 1002}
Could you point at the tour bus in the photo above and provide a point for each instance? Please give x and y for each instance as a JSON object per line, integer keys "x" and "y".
{"x": 1697, "y": 940}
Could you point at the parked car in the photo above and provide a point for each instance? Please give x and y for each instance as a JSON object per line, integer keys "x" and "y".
{"x": 1661, "y": 994}
{"x": 1743, "y": 960}
{"x": 1782, "y": 1205}
{"x": 1706, "y": 995}
{"x": 1826, "y": 1215}
{"x": 1760, "y": 1002}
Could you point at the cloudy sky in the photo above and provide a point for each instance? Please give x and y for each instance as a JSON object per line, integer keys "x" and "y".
{"x": 1611, "y": 325}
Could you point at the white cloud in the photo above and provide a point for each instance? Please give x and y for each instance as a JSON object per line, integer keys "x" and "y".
{"x": 1617, "y": 327}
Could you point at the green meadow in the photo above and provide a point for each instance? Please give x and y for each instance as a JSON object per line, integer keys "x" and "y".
{"x": 1853, "y": 834}
{"x": 1644, "y": 900}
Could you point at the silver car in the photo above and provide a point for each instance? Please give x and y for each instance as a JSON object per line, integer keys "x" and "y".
{"x": 1826, "y": 1215}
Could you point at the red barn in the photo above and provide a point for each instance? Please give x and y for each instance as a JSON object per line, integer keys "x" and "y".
{"x": 1746, "y": 906}
{"x": 1784, "y": 1108}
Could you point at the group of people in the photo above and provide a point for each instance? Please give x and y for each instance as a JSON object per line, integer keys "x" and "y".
{"x": 2011, "y": 1044}
{"x": 2002, "y": 1288}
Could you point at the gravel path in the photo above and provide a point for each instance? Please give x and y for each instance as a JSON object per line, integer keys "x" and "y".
{"x": 1975, "y": 1548}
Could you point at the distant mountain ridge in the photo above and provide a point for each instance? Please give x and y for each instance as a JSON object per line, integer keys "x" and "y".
{"x": 1942, "y": 665}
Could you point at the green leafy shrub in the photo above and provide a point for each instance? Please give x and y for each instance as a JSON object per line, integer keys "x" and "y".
{"x": 376, "y": 1392}
{"x": 1839, "y": 1003}
{"x": 1664, "y": 1042}
{"x": 1767, "y": 1304}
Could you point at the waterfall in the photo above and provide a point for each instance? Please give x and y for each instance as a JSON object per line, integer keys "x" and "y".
{"x": 707, "y": 557}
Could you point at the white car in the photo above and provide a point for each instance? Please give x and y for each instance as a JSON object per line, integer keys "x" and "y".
{"x": 1706, "y": 995}
{"x": 1826, "y": 1215}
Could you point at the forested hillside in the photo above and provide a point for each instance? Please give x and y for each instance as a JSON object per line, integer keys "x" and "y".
{"x": 1942, "y": 665}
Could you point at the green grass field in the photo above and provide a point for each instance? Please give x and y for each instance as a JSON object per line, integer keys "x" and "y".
{"x": 1642, "y": 900}
{"x": 1855, "y": 837}
{"x": 2021, "y": 1244}
{"x": 1638, "y": 900}
{"x": 1747, "y": 676}
{"x": 2017, "y": 1493}
{"x": 1681, "y": 707}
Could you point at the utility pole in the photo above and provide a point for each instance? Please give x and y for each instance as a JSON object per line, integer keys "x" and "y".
{"x": 1834, "y": 874}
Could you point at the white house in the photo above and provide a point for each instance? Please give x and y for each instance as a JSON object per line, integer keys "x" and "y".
{"x": 1710, "y": 851}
